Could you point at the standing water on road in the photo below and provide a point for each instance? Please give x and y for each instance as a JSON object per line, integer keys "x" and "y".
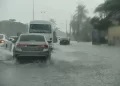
{"x": 71, "y": 66}
{"x": 80, "y": 60}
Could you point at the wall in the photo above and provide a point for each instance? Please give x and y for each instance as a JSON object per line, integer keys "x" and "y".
{"x": 114, "y": 35}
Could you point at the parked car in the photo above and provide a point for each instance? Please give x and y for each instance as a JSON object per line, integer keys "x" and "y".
{"x": 64, "y": 41}
{"x": 13, "y": 39}
{"x": 33, "y": 46}
{"x": 4, "y": 42}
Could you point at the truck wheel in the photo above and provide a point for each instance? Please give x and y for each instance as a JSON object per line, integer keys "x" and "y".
{"x": 69, "y": 42}
{"x": 48, "y": 59}
{"x": 6, "y": 46}
{"x": 16, "y": 61}
{"x": 60, "y": 43}
{"x": 10, "y": 47}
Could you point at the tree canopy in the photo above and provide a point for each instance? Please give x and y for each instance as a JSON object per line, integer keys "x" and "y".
{"x": 108, "y": 11}
{"x": 11, "y": 27}
{"x": 80, "y": 24}
{"x": 109, "y": 8}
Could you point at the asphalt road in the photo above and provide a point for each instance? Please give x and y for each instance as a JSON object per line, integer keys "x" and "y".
{"x": 79, "y": 64}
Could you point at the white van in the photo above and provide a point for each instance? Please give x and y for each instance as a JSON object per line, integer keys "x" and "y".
{"x": 43, "y": 27}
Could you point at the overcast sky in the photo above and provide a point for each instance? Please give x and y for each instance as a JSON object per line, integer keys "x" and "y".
{"x": 60, "y": 10}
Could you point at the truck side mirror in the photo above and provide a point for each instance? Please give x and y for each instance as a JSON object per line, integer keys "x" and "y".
{"x": 11, "y": 39}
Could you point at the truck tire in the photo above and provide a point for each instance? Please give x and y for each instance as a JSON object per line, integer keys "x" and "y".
{"x": 16, "y": 61}
{"x": 6, "y": 46}
{"x": 10, "y": 47}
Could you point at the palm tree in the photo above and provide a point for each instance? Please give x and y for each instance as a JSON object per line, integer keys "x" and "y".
{"x": 81, "y": 14}
{"x": 77, "y": 21}
{"x": 81, "y": 11}
{"x": 109, "y": 7}
{"x": 109, "y": 10}
{"x": 53, "y": 22}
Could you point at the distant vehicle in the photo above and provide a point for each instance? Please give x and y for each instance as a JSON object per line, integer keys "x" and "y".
{"x": 4, "y": 42}
{"x": 42, "y": 27}
{"x": 64, "y": 41}
{"x": 13, "y": 39}
{"x": 33, "y": 46}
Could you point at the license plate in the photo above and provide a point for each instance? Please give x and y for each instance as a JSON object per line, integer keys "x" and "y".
{"x": 32, "y": 49}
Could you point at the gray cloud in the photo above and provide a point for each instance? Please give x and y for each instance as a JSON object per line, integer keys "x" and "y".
{"x": 60, "y": 10}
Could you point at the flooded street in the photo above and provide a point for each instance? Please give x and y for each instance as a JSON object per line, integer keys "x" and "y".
{"x": 78, "y": 64}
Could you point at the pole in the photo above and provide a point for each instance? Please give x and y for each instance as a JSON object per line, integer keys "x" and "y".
{"x": 70, "y": 30}
{"x": 70, "y": 27}
{"x": 66, "y": 27}
{"x": 33, "y": 10}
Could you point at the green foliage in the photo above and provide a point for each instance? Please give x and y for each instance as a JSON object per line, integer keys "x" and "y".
{"x": 110, "y": 11}
{"x": 100, "y": 24}
{"x": 12, "y": 28}
{"x": 80, "y": 24}
{"x": 109, "y": 6}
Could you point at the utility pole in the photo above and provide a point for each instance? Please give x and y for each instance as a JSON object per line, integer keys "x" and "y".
{"x": 66, "y": 28}
{"x": 33, "y": 10}
{"x": 70, "y": 30}
{"x": 70, "y": 27}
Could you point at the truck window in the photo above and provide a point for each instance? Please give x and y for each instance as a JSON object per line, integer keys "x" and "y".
{"x": 40, "y": 28}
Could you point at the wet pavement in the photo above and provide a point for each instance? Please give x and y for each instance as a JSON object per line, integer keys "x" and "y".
{"x": 78, "y": 64}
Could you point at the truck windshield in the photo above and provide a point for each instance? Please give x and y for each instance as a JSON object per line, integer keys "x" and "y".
{"x": 40, "y": 28}
{"x": 32, "y": 38}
